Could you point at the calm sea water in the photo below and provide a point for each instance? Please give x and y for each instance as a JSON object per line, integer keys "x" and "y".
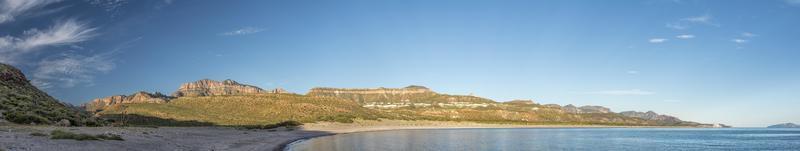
{"x": 588, "y": 139}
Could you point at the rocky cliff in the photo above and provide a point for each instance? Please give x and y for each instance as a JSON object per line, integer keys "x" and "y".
{"x": 21, "y": 102}
{"x": 382, "y": 91}
{"x": 208, "y": 87}
{"x": 409, "y": 94}
{"x": 203, "y": 87}
{"x": 138, "y": 97}
{"x": 584, "y": 109}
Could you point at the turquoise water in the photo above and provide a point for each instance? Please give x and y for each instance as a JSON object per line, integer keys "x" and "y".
{"x": 581, "y": 139}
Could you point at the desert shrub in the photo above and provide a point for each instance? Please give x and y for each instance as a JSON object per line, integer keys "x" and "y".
{"x": 59, "y": 134}
{"x": 287, "y": 124}
{"x": 25, "y": 118}
{"x": 109, "y": 137}
{"x": 38, "y": 134}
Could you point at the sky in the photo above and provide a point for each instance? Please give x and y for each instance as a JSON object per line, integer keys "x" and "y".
{"x": 712, "y": 61}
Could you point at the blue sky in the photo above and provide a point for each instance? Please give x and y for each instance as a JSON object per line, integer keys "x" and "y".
{"x": 731, "y": 61}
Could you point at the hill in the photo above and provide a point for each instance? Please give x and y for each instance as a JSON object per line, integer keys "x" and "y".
{"x": 255, "y": 109}
{"x": 21, "y": 102}
{"x": 784, "y": 125}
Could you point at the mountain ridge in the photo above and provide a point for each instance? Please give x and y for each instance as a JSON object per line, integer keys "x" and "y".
{"x": 408, "y": 103}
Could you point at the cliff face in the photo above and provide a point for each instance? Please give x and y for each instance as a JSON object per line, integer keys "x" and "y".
{"x": 584, "y": 109}
{"x": 208, "y": 87}
{"x": 411, "y": 94}
{"x": 383, "y": 91}
{"x": 138, "y": 97}
{"x": 21, "y": 102}
{"x": 203, "y": 87}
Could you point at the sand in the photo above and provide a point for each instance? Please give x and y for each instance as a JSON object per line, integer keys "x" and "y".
{"x": 17, "y": 137}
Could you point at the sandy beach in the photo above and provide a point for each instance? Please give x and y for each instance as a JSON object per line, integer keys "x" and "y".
{"x": 17, "y": 137}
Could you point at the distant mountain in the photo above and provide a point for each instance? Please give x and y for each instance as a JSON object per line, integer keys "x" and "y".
{"x": 23, "y": 103}
{"x": 650, "y": 115}
{"x": 784, "y": 125}
{"x": 231, "y": 103}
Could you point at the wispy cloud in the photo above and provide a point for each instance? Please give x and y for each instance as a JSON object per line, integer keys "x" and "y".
{"x": 62, "y": 33}
{"x": 748, "y": 34}
{"x": 687, "y": 22}
{"x": 740, "y": 41}
{"x": 10, "y": 9}
{"x": 706, "y": 18}
{"x": 243, "y": 31}
{"x": 70, "y": 70}
{"x": 109, "y": 5}
{"x": 623, "y": 92}
{"x": 657, "y": 40}
{"x": 677, "y": 26}
{"x": 685, "y": 36}
{"x": 632, "y": 72}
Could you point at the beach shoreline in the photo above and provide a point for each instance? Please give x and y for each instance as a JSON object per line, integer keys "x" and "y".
{"x": 18, "y": 137}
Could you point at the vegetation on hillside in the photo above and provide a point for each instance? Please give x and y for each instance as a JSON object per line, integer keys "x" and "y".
{"x": 21, "y": 102}
{"x": 258, "y": 109}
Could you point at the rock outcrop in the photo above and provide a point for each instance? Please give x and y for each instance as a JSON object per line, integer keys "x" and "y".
{"x": 410, "y": 94}
{"x": 650, "y": 115}
{"x": 521, "y": 102}
{"x": 23, "y": 103}
{"x": 208, "y": 87}
{"x": 138, "y": 97}
{"x": 413, "y": 89}
{"x": 784, "y": 125}
{"x": 583, "y": 109}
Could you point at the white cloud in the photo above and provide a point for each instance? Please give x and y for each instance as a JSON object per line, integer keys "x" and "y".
{"x": 623, "y": 92}
{"x": 685, "y": 23}
{"x": 677, "y": 26}
{"x": 243, "y": 31}
{"x": 10, "y": 9}
{"x": 70, "y": 70}
{"x": 632, "y": 72}
{"x": 737, "y": 40}
{"x": 685, "y": 36}
{"x": 62, "y": 33}
{"x": 699, "y": 19}
{"x": 657, "y": 40}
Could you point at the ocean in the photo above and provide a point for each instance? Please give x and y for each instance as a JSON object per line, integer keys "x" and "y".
{"x": 572, "y": 139}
